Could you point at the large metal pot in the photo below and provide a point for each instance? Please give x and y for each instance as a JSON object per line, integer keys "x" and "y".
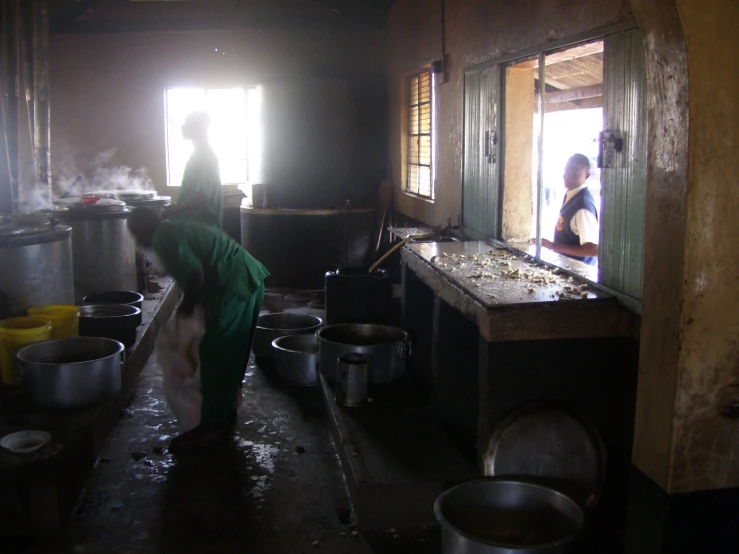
{"x": 104, "y": 251}
{"x": 387, "y": 348}
{"x": 37, "y": 270}
{"x": 128, "y": 297}
{"x": 272, "y": 326}
{"x": 296, "y": 358}
{"x": 75, "y": 372}
{"x": 507, "y": 516}
{"x": 111, "y": 321}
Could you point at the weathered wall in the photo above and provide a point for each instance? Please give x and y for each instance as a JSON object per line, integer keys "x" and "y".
{"x": 706, "y": 446}
{"x": 518, "y": 203}
{"x": 107, "y": 89}
{"x": 477, "y": 30}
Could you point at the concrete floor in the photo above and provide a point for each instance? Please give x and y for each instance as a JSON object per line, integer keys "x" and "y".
{"x": 275, "y": 488}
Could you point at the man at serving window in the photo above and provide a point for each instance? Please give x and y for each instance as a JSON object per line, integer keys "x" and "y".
{"x": 576, "y": 232}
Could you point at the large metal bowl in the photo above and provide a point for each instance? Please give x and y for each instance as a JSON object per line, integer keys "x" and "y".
{"x": 507, "y": 516}
{"x": 128, "y": 297}
{"x": 297, "y": 359}
{"x": 272, "y": 326}
{"x": 387, "y": 348}
{"x": 110, "y": 321}
{"x": 75, "y": 372}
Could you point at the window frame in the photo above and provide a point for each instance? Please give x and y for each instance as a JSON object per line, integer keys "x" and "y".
{"x": 538, "y": 52}
{"x": 407, "y": 135}
{"x": 168, "y": 138}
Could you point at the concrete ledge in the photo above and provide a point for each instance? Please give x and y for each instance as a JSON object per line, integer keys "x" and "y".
{"x": 40, "y": 490}
{"x": 396, "y": 458}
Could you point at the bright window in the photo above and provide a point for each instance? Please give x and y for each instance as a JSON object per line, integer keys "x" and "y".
{"x": 228, "y": 131}
{"x": 419, "y": 176}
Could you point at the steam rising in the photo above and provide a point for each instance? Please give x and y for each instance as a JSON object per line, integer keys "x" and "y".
{"x": 98, "y": 174}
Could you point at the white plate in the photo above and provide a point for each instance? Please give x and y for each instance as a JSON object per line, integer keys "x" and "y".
{"x": 24, "y": 442}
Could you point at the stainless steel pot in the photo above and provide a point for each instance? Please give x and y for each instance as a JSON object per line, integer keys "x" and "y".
{"x": 296, "y": 357}
{"x": 128, "y": 297}
{"x": 104, "y": 251}
{"x": 37, "y": 270}
{"x": 387, "y": 348}
{"x": 272, "y": 326}
{"x": 111, "y": 321}
{"x": 507, "y": 516}
{"x": 75, "y": 372}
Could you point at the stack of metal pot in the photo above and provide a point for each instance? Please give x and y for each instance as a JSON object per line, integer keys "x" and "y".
{"x": 36, "y": 254}
{"x": 104, "y": 252}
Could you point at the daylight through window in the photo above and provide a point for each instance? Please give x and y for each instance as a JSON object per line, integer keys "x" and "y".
{"x": 228, "y": 130}
{"x": 420, "y": 135}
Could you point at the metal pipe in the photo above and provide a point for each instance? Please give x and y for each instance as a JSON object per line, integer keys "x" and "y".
{"x": 9, "y": 87}
{"x": 41, "y": 106}
{"x": 540, "y": 164}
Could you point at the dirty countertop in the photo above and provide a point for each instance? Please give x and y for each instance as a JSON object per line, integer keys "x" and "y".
{"x": 511, "y": 296}
{"x": 496, "y": 276}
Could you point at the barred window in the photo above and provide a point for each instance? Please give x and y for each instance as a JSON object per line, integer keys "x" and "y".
{"x": 419, "y": 177}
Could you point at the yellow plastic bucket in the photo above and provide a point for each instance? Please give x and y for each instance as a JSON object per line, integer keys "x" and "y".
{"x": 65, "y": 319}
{"x": 16, "y": 333}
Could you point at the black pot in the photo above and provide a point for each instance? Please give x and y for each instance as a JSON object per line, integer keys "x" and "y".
{"x": 110, "y": 321}
{"x": 128, "y": 297}
{"x": 354, "y": 295}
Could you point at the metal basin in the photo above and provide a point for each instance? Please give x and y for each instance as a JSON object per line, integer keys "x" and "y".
{"x": 296, "y": 358}
{"x": 111, "y": 321}
{"x": 387, "y": 348}
{"x": 507, "y": 516}
{"x": 127, "y": 297}
{"x": 75, "y": 372}
{"x": 273, "y": 326}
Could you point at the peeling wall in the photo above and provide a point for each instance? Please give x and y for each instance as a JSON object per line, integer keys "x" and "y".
{"x": 107, "y": 90}
{"x": 705, "y": 445}
{"x": 477, "y": 30}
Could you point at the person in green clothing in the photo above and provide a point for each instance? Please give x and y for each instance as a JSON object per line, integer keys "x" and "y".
{"x": 217, "y": 273}
{"x": 201, "y": 194}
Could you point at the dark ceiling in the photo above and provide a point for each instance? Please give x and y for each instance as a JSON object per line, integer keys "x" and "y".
{"x": 100, "y": 16}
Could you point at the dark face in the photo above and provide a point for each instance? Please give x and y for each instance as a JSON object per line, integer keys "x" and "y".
{"x": 575, "y": 175}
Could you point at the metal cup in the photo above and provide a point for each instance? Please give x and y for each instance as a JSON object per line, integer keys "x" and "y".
{"x": 351, "y": 380}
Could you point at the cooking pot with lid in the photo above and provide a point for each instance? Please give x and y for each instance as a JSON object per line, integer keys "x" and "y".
{"x": 104, "y": 251}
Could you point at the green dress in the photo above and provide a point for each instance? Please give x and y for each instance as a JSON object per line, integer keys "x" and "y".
{"x": 232, "y": 297}
{"x": 202, "y": 174}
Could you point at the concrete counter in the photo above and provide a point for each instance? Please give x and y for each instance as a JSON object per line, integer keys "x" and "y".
{"x": 511, "y": 297}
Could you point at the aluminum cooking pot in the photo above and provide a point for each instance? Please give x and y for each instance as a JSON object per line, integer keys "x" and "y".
{"x": 111, "y": 321}
{"x": 272, "y": 326}
{"x": 507, "y": 516}
{"x": 387, "y": 348}
{"x": 296, "y": 358}
{"x": 75, "y": 372}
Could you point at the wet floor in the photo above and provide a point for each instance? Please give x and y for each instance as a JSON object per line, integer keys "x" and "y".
{"x": 277, "y": 487}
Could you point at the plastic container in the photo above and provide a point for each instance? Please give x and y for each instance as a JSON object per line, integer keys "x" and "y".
{"x": 15, "y": 333}
{"x": 64, "y": 318}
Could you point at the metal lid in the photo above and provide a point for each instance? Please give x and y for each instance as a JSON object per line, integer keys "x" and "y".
{"x": 89, "y": 204}
{"x": 24, "y": 224}
{"x": 50, "y": 234}
{"x": 124, "y": 195}
{"x": 551, "y": 446}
